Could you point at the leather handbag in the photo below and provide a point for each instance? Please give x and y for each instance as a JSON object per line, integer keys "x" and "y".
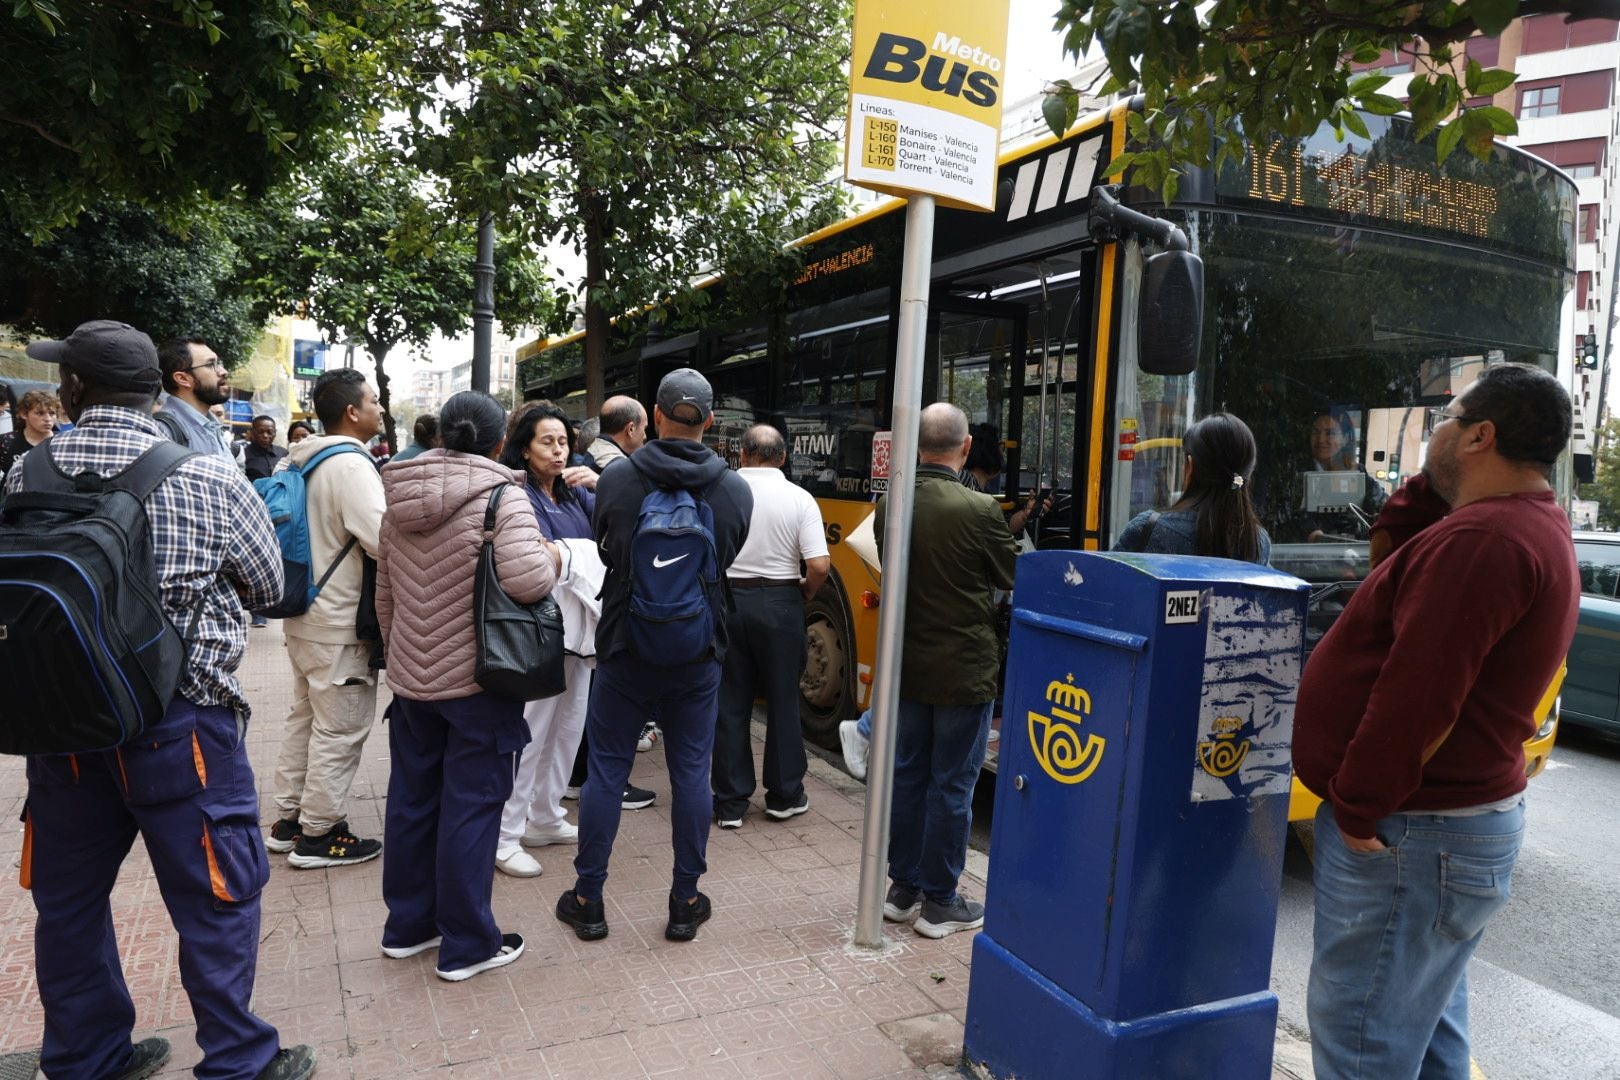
{"x": 520, "y": 646}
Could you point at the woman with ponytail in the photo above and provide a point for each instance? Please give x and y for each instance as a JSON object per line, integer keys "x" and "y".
{"x": 1214, "y": 515}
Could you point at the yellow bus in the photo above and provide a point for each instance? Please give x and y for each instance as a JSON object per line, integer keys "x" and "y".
{"x": 1348, "y": 286}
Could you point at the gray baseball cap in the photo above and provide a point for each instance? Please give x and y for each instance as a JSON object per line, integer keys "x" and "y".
{"x": 106, "y": 353}
{"x": 685, "y": 389}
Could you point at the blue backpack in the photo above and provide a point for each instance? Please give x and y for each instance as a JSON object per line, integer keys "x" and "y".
{"x": 674, "y": 574}
{"x": 285, "y": 497}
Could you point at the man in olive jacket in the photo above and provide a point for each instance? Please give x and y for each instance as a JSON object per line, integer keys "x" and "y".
{"x": 961, "y": 551}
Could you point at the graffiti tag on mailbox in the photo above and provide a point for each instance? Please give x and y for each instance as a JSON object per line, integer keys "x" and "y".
{"x": 1246, "y": 703}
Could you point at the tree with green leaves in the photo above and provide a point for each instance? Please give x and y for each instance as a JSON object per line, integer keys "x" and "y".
{"x": 1217, "y": 75}
{"x": 123, "y": 262}
{"x": 1605, "y": 489}
{"x": 160, "y": 102}
{"x": 659, "y": 140}
{"x": 369, "y": 250}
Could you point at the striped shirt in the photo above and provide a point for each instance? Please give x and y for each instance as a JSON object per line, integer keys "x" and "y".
{"x": 211, "y": 535}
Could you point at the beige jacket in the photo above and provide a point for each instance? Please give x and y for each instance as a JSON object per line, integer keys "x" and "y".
{"x": 344, "y": 498}
{"x": 431, "y": 536}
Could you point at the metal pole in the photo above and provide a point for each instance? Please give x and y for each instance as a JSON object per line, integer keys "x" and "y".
{"x": 483, "y": 302}
{"x": 904, "y": 419}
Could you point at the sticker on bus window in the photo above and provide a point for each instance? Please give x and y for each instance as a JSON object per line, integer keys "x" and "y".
{"x": 881, "y": 442}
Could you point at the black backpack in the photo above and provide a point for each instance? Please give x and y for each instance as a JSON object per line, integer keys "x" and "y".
{"x": 88, "y": 657}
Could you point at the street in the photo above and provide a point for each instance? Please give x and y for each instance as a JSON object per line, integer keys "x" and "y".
{"x": 1544, "y": 997}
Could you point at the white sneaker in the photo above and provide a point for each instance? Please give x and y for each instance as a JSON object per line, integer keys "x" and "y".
{"x": 856, "y": 747}
{"x": 400, "y": 952}
{"x": 542, "y": 835}
{"x": 649, "y": 738}
{"x": 571, "y": 794}
{"x": 518, "y": 864}
{"x": 511, "y": 949}
{"x": 731, "y": 823}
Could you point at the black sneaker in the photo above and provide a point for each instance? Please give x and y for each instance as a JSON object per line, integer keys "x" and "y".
{"x": 283, "y": 836}
{"x": 511, "y": 948}
{"x": 793, "y": 811}
{"x": 902, "y": 903}
{"x": 943, "y": 920}
{"x": 339, "y": 847}
{"x": 290, "y": 1063}
{"x": 685, "y": 917}
{"x": 150, "y": 1056}
{"x": 585, "y": 916}
{"x": 636, "y": 798}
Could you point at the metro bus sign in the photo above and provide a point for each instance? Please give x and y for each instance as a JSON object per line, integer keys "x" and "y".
{"x": 925, "y": 98}
{"x": 881, "y": 443}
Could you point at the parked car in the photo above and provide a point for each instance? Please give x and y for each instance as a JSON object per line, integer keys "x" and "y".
{"x": 1592, "y": 690}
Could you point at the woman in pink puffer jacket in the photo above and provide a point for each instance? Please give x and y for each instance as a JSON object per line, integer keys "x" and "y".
{"x": 452, "y": 745}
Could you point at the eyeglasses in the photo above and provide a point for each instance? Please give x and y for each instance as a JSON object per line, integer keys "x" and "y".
{"x": 1434, "y": 417}
{"x": 215, "y": 363}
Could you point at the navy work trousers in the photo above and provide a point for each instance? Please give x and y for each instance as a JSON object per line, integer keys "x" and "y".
{"x": 452, "y": 768}
{"x": 185, "y": 786}
{"x": 623, "y": 696}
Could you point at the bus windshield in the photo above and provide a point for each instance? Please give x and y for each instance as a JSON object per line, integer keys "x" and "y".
{"x": 1332, "y": 344}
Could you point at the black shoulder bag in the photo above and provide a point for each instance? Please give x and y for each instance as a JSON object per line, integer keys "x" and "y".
{"x": 520, "y": 646}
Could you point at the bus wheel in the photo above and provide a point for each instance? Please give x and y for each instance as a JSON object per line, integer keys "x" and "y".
{"x": 826, "y": 695}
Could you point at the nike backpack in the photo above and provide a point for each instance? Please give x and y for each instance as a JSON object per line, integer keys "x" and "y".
{"x": 287, "y": 498}
{"x": 88, "y": 657}
{"x": 674, "y": 576}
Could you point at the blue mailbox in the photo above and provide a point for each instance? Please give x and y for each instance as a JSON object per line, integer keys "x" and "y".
{"x": 1141, "y": 812}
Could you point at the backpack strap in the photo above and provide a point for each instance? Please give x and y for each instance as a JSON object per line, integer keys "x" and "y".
{"x": 142, "y": 476}
{"x": 172, "y": 426}
{"x": 307, "y": 468}
{"x": 331, "y": 451}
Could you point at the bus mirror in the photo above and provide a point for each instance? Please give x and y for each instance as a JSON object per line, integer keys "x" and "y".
{"x": 1170, "y": 313}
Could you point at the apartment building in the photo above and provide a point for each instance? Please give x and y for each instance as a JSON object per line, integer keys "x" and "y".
{"x": 1564, "y": 100}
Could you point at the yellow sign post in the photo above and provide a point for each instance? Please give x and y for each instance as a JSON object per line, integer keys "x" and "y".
{"x": 925, "y": 123}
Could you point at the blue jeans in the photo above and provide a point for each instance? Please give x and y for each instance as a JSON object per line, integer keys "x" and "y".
{"x": 1388, "y": 996}
{"x": 864, "y": 725}
{"x": 939, "y": 750}
{"x": 624, "y": 695}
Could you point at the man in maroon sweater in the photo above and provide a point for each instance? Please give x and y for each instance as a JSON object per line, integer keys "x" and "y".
{"x": 1411, "y": 721}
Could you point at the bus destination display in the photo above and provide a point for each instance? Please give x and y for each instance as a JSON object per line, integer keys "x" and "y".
{"x": 1509, "y": 201}
{"x": 1352, "y": 183}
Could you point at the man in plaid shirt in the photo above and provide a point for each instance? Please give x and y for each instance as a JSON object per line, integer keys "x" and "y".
{"x": 186, "y": 786}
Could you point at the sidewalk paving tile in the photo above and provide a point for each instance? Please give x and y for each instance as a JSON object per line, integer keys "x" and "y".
{"x": 770, "y": 988}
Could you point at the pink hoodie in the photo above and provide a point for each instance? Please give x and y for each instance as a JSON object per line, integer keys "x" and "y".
{"x": 431, "y": 536}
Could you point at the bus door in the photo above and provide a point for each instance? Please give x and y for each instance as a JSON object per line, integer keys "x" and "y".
{"x": 659, "y": 358}
{"x": 975, "y": 360}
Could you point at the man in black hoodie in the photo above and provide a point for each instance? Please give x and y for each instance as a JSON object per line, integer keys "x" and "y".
{"x": 627, "y": 687}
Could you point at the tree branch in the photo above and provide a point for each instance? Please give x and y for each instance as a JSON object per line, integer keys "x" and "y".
{"x": 37, "y": 130}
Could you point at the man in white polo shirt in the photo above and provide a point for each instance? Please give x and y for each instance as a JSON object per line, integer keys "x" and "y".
{"x": 766, "y": 630}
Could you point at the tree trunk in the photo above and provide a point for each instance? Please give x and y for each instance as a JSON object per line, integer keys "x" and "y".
{"x": 598, "y": 325}
{"x": 378, "y": 355}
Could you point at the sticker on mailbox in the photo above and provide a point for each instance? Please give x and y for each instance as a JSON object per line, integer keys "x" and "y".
{"x": 1180, "y": 607}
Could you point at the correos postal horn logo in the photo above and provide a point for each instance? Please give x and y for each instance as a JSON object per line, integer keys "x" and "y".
{"x": 900, "y": 59}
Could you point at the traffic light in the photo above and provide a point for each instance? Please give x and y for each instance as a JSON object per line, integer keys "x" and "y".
{"x": 1589, "y": 351}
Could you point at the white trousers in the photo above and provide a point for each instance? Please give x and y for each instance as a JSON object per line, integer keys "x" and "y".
{"x": 555, "y": 727}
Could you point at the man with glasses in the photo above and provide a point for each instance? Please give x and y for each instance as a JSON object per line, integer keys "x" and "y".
{"x": 195, "y": 378}
{"x": 1411, "y": 719}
